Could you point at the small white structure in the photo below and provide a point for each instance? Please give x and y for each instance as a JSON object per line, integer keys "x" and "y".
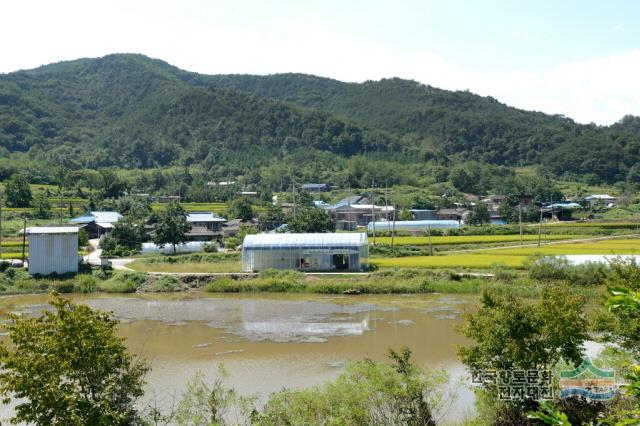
{"x": 53, "y": 249}
{"x": 603, "y": 199}
{"x": 412, "y": 225}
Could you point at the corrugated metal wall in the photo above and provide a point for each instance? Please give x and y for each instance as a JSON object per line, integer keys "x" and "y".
{"x": 50, "y": 253}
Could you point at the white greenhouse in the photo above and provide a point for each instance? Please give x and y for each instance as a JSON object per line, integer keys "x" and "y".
{"x": 305, "y": 252}
{"x": 53, "y": 249}
{"x": 413, "y": 225}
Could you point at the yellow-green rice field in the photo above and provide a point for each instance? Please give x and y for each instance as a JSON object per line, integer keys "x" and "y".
{"x": 513, "y": 257}
{"x": 467, "y": 239}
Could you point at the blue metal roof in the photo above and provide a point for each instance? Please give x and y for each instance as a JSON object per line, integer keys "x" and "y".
{"x": 102, "y": 217}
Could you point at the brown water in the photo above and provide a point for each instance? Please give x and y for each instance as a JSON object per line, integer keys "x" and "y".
{"x": 270, "y": 342}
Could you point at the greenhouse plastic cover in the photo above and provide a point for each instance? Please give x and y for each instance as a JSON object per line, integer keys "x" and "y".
{"x": 414, "y": 224}
{"x": 304, "y": 240}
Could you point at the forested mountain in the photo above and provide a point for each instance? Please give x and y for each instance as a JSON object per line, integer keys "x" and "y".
{"x": 461, "y": 123}
{"x": 131, "y": 111}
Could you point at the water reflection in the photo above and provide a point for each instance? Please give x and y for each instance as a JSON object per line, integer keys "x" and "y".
{"x": 269, "y": 342}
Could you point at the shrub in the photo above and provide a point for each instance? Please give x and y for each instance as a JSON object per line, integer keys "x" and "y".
{"x": 559, "y": 269}
{"x": 396, "y": 394}
{"x": 62, "y": 286}
{"x": 166, "y": 283}
{"x": 122, "y": 282}
{"x": 85, "y": 284}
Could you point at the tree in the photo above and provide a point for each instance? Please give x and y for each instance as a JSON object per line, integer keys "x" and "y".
{"x": 272, "y": 217}
{"x": 41, "y": 206}
{"x": 242, "y": 209}
{"x": 129, "y": 232}
{"x": 68, "y": 367}
{"x": 172, "y": 226}
{"x": 18, "y": 192}
{"x": 479, "y": 215}
{"x": 310, "y": 219}
{"x": 511, "y": 334}
{"x": 110, "y": 184}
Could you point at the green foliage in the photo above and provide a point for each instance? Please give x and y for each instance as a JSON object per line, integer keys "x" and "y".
{"x": 205, "y": 405}
{"x": 554, "y": 268}
{"x": 172, "y": 226}
{"x": 18, "y": 191}
{"x": 479, "y": 215}
{"x": 129, "y": 232}
{"x": 241, "y": 208}
{"x": 69, "y": 367}
{"x": 310, "y": 219}
{"x": 83, "y": 238}
{"x": 509, "y": 333}
{"x": 120, "y": 111}
{"x": 122, "y": 282}
{"x": 366, "y": 393}
{"x": 41, "y": 207}
{"x": 166, "y": 283}
{"x": 549, "y": 415}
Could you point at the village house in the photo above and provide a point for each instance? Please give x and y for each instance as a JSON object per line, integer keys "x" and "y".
{"x": 458, "y": 214}
{"x": 205, "y": 226}
{"x": 97, "y": 224}
{"x": 423, "y": 214}
{"x": 494, "y": 201}
{"x": 357, "y": 211}
{"x": 315, "y": 187}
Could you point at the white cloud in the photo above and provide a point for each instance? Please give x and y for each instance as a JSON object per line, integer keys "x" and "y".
{"x": 601, "y": 90}
{"x": 617, "y": 28}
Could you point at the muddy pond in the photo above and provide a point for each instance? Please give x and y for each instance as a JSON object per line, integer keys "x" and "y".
{"x": 269, "y": 342}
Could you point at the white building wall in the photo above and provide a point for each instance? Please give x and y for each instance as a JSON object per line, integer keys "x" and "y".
{"x": 49, "y": 253}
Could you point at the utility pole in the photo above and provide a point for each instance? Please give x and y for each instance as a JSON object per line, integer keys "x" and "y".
{"x": 24, "y": 238}
{"x": 61, "y": 205}
{"x": 373, "y": 214}
{"x": 520, "y": 219}
{"x": 393, "y": 227}
{"x": 293, "y": 191}
{"x": 1, "y": 224}
{"x": 430, "y": 246}
{"x": 540, "y": 226}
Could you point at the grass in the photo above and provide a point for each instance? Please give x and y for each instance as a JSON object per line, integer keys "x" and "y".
{"x": 465, "y": 260}
{"x": 189, "y": 263}
{"x": 467, "y": 239}
{"x": 179, "y": 268}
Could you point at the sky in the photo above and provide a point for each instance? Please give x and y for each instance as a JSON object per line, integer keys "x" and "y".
{"x": 578, "y": 58}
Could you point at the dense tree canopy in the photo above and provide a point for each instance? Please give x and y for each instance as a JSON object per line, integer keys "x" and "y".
{"x": 68, "y": 367}
{"x": 130, "y": 111}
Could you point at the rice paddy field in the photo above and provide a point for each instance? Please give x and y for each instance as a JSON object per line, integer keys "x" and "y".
{"x": 219, "y": 208}
{"x": 467, "y": 239}
{"x": 511, "y": 257}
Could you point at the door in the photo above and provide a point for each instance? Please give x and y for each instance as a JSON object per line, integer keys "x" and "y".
{"x": 340, "y": 262}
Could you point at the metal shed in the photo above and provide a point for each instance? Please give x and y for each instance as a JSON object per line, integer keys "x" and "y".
{"x": 53, "y": 249}
{"x": 306, "y": 252}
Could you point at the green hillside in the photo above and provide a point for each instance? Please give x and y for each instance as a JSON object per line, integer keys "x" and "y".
{"x": 133, "y": 112}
